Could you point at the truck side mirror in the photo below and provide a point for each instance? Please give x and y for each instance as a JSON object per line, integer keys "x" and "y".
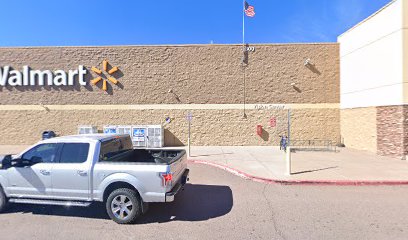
{"x": 6, "y": 162}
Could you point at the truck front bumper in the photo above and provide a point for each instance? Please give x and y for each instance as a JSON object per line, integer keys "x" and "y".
{"x": 183, "y": 180}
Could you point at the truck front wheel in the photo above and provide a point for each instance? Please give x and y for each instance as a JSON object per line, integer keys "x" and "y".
{"x": 123, "y": 206}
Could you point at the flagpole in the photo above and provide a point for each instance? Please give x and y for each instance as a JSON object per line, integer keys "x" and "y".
{"x": 243, "y": 26}
{"x": 243, "y": 53}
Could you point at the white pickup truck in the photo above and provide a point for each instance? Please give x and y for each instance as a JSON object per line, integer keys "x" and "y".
{"x": 77, "y": 170}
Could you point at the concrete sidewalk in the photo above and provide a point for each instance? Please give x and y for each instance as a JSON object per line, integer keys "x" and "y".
{"x": 346, "y": 165}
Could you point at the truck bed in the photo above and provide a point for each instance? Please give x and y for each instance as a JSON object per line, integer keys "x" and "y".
{"x": 165, "y": 157}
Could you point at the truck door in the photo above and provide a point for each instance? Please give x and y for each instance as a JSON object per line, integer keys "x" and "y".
{"x": 70, "y": 174}
{"x": 32, "y": 178}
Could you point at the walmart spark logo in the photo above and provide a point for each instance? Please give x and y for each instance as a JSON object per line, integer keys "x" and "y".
{"x": 103, "y": 76}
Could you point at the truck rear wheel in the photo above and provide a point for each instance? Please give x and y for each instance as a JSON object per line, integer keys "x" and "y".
{"x": 123, "y": 206}
{"x": 3, "y": 200}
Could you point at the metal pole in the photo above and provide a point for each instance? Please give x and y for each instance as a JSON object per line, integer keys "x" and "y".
{"x": 288, "y": 161}
{"x": 189, "y": 145}
{"x": 288, "y": 150}
{"x": 244, "y": 92}
{"x": 243, "y": 27}
{"x": 288, "y": 128}
{"x": 243, "y": 53}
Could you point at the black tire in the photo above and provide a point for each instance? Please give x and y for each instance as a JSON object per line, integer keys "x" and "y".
{"x": 3, "y": 200}
{"x": 120, "y": 200}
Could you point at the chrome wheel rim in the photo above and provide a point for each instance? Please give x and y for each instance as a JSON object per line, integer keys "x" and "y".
{"x": 121, "y": 207}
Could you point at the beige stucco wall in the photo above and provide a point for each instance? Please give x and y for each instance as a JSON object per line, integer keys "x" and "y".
{"x": 199, "y": 74}
{"x": 359, "y": 128}
{"x": 209, "y": 78}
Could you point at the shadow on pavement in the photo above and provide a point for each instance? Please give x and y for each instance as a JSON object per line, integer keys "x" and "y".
{"x": 96, "y": 210}
{"x": 195, "y": 203}
{"x": 314, "y": 170}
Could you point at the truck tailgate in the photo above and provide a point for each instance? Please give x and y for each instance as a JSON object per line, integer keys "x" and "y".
{"x": 178, "y": 167}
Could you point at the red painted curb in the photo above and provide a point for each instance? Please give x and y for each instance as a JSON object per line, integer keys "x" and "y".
{"x": 299, "y": 182}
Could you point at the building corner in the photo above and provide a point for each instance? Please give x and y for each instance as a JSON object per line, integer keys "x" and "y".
{"x": 405, "y": 74}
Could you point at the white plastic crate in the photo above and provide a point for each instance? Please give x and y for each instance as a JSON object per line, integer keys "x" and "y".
{"x": 87, "y": 129}
{"x": 147, "y": 136}
{"x": 124, "y": 130}
{"x": 155, "y": 136}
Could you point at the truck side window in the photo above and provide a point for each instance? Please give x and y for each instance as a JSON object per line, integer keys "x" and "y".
{"x": 46, "y": 152}
{"x": 74, "y": 152}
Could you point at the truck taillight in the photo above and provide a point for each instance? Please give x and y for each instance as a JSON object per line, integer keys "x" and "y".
{"x": 167, "y": 178}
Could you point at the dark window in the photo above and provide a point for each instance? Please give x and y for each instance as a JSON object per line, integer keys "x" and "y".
{"x": 74, "y": 152}
{"x": 44, "y": 153}
{"x": 115, "y": 147}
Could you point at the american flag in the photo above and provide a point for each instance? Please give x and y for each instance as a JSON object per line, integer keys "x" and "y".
{"x": 249, "y": 10}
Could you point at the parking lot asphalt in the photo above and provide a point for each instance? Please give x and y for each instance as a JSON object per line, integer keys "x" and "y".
{"x": 218, "y": 205}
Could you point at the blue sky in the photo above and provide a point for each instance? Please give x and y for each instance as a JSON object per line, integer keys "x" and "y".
{"x": 120, "y": 22}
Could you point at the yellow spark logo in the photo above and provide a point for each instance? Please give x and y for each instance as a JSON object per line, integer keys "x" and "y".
{"x": 103, "y": 76}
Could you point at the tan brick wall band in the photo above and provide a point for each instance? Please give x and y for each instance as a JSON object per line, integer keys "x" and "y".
{"x": 170, "y": 107}
{"x": 359, "y": 128}
{"x": 209, "y": 127}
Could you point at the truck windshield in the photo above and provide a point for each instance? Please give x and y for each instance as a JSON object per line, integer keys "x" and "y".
{"x": 115, "y": 147}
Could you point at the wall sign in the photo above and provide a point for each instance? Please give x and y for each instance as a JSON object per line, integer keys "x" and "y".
{"x": 272, "y": 122}
{"x": 250, "y": 49}
{"x": 270, "y": 107}
{"x": 189, "y": 117}
{"x": 29, "y": 77}
{"x": 139, "y": 134}
{"x": 109, "y": 70}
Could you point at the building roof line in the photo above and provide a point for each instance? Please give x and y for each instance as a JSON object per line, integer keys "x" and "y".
{"x": 170, "y": 45}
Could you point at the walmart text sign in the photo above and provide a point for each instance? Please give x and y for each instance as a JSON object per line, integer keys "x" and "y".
{"x": 29, "y": 77}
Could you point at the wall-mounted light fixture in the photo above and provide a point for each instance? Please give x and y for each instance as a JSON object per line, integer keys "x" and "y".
{"x": 311, "y": 66}
{"x": 175, "y": 95}
{"x": 296, "y": 87}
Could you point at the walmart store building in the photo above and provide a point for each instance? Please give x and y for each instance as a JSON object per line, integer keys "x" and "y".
{"x": 61, "y": 88}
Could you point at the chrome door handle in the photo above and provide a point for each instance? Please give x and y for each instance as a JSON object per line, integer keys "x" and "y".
{"x": 45, "y": 172}
{"x": 82, "y": 173}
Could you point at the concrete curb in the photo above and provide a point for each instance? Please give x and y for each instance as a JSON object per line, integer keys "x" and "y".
{"x": 300, "y": 182}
